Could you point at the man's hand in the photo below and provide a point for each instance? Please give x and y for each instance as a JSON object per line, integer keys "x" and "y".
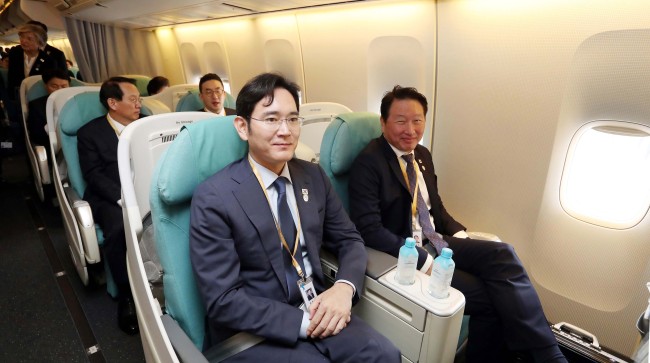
{"x": 330, "y": 312}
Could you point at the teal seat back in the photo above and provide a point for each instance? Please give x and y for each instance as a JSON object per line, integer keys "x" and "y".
{"x": 141, "y": 83}
{"x": 344, "y": 139}
{"x": 37, "y": 90}
{"x": 75, "y": 113}
{"x": 74, "y": 70}
{"x": 192, "y": 102}
{"x": 200, "y": 150}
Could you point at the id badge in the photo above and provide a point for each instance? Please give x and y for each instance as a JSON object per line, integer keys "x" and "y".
{"x": 307, "y": 291}
{"x": 417, "y": 236}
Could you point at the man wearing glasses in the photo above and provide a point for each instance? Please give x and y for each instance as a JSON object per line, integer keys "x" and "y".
{"x": 97, "y": 146}
{"x": 256, "y": 229}
{"x": 212, "y": 93}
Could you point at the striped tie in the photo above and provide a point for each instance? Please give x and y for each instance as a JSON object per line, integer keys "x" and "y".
{"x": 423, "y": 214}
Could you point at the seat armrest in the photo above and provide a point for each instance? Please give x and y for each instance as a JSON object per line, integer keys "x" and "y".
{"x": 84, "y": 216}
{"x": 484, "y": 236}
{"x": 185, "y": 349}
{"x": 379, "y": 263}
{"x": 41, "y": 157}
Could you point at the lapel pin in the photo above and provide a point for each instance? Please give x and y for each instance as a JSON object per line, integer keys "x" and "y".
{"x": 305, "y": 195}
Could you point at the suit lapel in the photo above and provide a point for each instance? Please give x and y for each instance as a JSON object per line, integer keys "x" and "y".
{"x": 426, "y": 170}
{"x": 308, "y": 210}
{"x": 393, "y": 163}
{"x": 255, "y": 205}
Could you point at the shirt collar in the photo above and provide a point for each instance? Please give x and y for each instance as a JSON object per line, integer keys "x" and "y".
{"x": 118, "y": 126}
{"x": 399, "y": 152}
{"x": 222, "y": 113}
{"x": 269, "y": 177}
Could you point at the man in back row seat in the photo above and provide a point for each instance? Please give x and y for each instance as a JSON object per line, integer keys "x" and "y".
{"x": 212, "y": 93}
{"x": 97, "y": 146}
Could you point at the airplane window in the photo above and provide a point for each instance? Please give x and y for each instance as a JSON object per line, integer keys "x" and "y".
{"x": 216, "y": 62}
{"x": 191, "y": 64}
{"x": 606, "y": 177}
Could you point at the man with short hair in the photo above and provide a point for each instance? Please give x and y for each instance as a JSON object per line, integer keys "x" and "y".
{"x": 256, "y": 229}
{"x": 36, "y": 119}
{"x": 212, "y": 93}
{"x": 394, "y": 195}
{"x": 97, "y": 146}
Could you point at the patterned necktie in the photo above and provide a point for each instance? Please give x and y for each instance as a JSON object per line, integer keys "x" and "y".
{"x": 289, "y": 232}
{"x": 423, "y": 214}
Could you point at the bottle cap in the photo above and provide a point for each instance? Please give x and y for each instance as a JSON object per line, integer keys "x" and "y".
{"x": 410, "y": 242}
{"x": 446, "y": 252}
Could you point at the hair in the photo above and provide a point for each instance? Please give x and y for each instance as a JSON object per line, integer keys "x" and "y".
{"x": 261, "y": 87}
{"x": 111, "y": 89}
{"x": 401, "y": 93}
{"x": 156, "y": 84}
{"x": 39, "y": 32}
{"x": 55, "y": 73}
{"x": 208, "y": 77}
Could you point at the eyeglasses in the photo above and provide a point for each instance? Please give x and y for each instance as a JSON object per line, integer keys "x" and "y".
{"x": 274, "y": 123}
{"x": 133, "y": 100}
{"x": 219, "y": 92}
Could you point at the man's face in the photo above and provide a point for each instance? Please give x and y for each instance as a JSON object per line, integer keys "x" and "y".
{"x": 212, "y": 95}
{"x": 405, "y": 124}
{"x": 56, "y": 84}
{"x": 269, "y": 145}
{"x": 126, "y": 110}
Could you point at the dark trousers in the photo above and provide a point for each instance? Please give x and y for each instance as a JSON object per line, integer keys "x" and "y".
{"x": 357, "y": 343}
{"x": 502, "y": 303}
{"x": 109, "y": 217}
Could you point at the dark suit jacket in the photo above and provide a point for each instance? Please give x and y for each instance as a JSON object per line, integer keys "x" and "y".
{"x": 57, "y": 55}
{"x": 380, "y": 201}
{"x": 236, "y": 252}
{"x": 36, "y": 121}
{"x": 229, "y": 111}
{"x": 97, "y": 147}
{"x": 16, "y": 72}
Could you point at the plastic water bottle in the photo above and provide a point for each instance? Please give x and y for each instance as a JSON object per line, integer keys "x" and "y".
{"x": 407, "y": 263}
{"x": 441, "y": 274}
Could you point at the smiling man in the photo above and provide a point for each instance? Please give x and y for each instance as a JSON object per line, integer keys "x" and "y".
{"x": 394, "y": 195}
{"x": 256, "y": 229}
{"x": 97, "y": 146}
{"x": 213, "y": 94}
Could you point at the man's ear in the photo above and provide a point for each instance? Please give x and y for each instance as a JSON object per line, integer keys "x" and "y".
{"x": 112, "y": 103}
{"x": 242, "y": 127}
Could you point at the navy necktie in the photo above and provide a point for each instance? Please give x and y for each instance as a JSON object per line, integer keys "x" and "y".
{"x": 288, "y": 228}
{"x": 423, "y": 214}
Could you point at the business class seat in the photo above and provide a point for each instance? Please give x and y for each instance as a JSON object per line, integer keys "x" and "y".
{"x": 167, "y": 99}
{"x": 68, "y": 110}
{"x": 141, "y": 145}
{"x": 200, "y": 150}
{"x": 344, "y": 139}
{"x": 30, "y": 89}
{"x": 192, "y": 102}
{"x": 141, "y": 82}
{"x": 317, "y": 116}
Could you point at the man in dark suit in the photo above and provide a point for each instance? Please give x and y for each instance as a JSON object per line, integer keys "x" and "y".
{"x": 394, "y": 195}
{"x": 97, "y": 146}
{"x": 256, "y": 228}
{"x": 36, "y": 119}
{"x": 212, "y": 93}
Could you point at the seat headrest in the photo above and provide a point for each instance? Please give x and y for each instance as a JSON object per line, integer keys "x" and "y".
{"x": 346, "y": 136}
{"x": 37, "y": 90}
{"x": 79, "y": 110}
{"x": 200, "y": 150}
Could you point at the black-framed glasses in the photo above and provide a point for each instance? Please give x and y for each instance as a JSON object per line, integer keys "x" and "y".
{"x": 274, "y": 123}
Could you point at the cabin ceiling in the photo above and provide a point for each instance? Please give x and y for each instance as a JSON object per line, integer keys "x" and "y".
{"x": 136, "y": 14}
